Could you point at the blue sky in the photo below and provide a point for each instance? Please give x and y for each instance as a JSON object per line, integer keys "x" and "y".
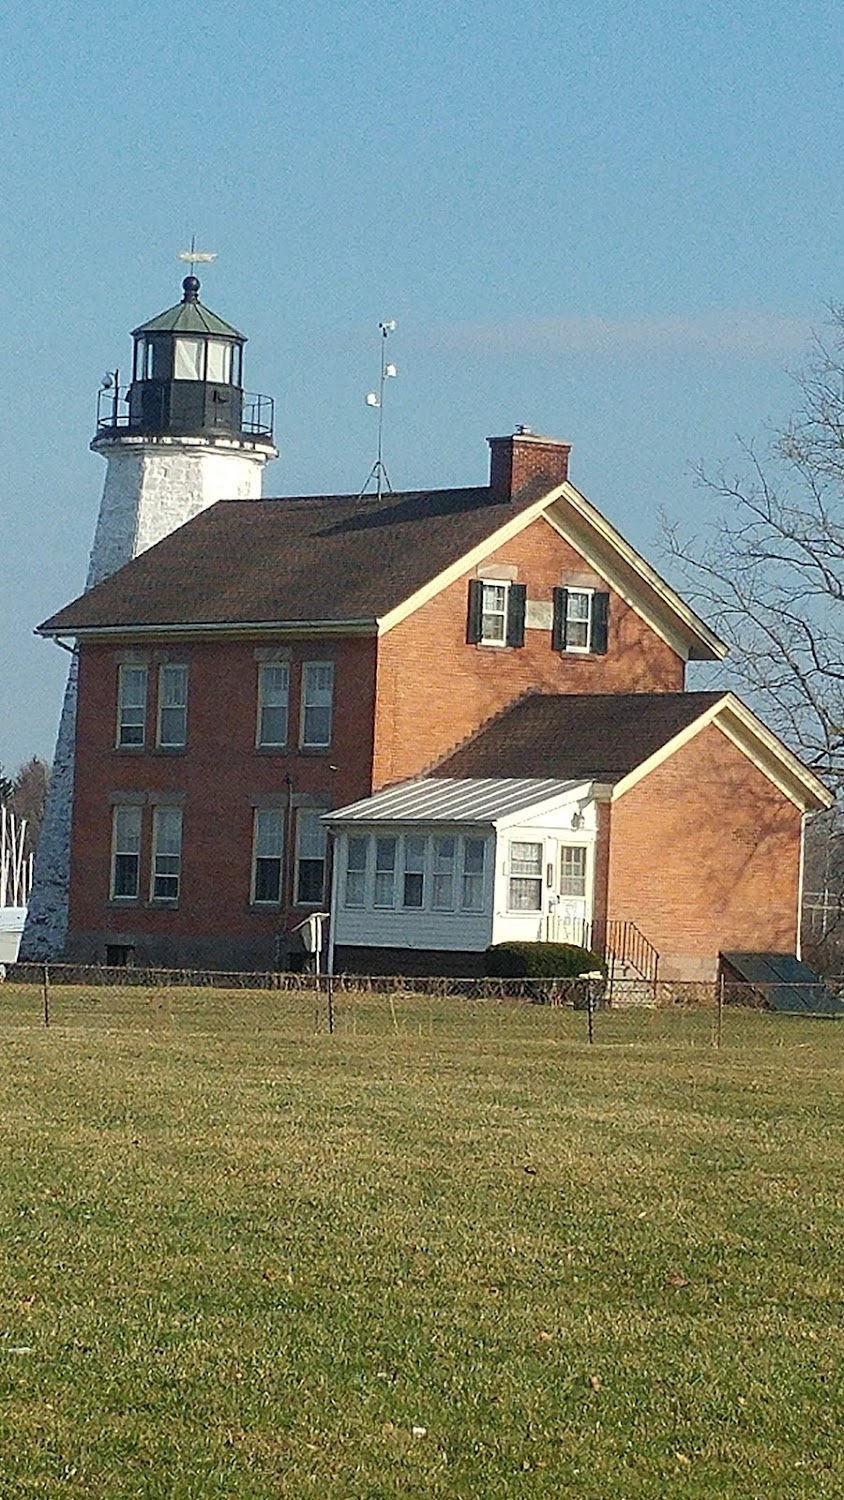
{"x": 616, "y": 222}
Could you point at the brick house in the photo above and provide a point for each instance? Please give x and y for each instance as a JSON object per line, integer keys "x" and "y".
{"x": 275, "y": 661}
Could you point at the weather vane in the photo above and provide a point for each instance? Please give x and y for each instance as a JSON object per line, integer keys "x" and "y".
{"x": 197, "y": 257}
{"x": 378, "y": 472}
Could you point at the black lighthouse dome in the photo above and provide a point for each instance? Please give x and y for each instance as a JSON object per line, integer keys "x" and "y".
{"x": 187, "y": 380}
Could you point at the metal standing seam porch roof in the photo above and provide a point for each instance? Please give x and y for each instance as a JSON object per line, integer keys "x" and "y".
{"x": 488, "y": 800}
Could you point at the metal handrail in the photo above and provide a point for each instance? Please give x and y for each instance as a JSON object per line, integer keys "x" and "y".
{"x": 113, "y": 412}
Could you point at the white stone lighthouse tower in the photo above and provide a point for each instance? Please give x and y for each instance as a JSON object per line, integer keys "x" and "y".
{"x": 182, "y": 436}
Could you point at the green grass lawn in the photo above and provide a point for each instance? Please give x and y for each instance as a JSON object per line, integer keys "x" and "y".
{"x": 445, "y": 1252}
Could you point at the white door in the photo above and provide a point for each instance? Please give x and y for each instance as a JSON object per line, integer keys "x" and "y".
{"x": 572, "y": 904}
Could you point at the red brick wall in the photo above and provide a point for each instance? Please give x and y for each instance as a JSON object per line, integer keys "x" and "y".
{"x": 434, "y": 690}
{"x": 705, "y": 856}
{"x": 217, "y": 774}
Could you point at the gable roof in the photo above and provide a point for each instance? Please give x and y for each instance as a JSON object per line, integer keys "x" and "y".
{"x": 620, "y": 737}
{"x": 331, "y": 559}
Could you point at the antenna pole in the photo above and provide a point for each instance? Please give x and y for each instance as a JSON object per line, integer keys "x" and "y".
{"x": 378, "y": 472}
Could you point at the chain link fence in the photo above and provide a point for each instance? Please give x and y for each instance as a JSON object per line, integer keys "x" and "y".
{"x": 306, "y": 1005}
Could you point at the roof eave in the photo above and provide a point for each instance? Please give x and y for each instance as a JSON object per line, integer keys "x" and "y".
{"x": 684, "y": 627}
{"x": 195, "y": 629}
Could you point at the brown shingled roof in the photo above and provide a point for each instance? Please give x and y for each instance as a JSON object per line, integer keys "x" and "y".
{"x": 591, "y": 736}
{"x": 336, "y": 559}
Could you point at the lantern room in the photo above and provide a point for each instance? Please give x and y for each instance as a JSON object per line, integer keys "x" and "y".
{"x": 187, "y": 379}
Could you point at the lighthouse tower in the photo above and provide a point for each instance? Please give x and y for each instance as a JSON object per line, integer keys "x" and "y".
{"x": 183, "y": 435}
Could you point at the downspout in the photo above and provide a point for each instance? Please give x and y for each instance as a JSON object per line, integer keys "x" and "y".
{"x": 800, "y": 879}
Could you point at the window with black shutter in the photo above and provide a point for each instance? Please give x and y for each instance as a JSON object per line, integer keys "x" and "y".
{"x": 580, "y": 621}
{"x": 496, "y": 612}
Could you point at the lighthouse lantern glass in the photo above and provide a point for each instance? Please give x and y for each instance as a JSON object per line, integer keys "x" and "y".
{"x": 219, "y": 361}
{"x": 187, "y": 363}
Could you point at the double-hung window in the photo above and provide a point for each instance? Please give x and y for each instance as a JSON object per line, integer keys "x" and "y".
{"x": 413, "y": 890}
{"x": 356, "y": 851}
{"x": 126, "y": 854}
{"x": 172, "y": 707}
{"x": 525, "y": 879}
{"x": 273, "y": 695}
{"x": 442, "y": 884}
{"x": 131, "y": 705}
{"x": 311, "y": 840}
{"x": 496, "y": 612}
{"x": 385, "y": 871}
{"x": 581, "y": 621}
{"x": 267, "y": 850}
{"x": 166, "y": 853}
{"x": 472, "y": 891}
{"x": 317, "y": 702}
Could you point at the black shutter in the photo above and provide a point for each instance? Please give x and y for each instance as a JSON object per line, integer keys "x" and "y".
{"x": 476, "y": 609}
{"x": 558, "y": 627}
{"x": 516, "y": 601}
{"x": 600, "y": 620}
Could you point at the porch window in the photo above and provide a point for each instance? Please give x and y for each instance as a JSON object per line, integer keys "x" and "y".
{"x": 356, "y": 850}
{"x": 472, "y": 894}
{"x": 385, "y": 871}
{"x": 525, "y": 881}
{"x": 442, "y": 893}
{"x": 414, "y": 873}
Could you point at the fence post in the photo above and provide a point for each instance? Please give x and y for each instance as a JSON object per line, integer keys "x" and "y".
{"x": 720, "y": 1026}
{"x": 590, "y": 1010}
{"x": 45, "y": 981}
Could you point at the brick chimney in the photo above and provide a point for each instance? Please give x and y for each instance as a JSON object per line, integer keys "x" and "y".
{"x": 524, "y": 456}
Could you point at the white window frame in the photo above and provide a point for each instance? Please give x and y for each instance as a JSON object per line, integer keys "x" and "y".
{"x": 167, "y": 673}
{"x": 386, "y": 871}
{"x": 316, "y": 697}
{"x": 575, "y": 621}
{"x": 166, "y": 863}
{"x": 356, "y": 875}
{"x": 267, "y": 836}
{"x": 535, "y": 875}
{"x": 569, "y": 878}
{"x": 477, "y": 878}
{"x": 447, "y": 873}
{"x": 131, "y": 709}
{"x": 277, "y": 699}
{"x": 310, "y": 818}
{"x": 502, "y": 613}
{"x": 122, "y": 839}
{"x": 418, "y": 871}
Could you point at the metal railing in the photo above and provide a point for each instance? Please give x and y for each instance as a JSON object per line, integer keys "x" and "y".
{"x": 113, "y": 413}
{"x": 621, "y": 944}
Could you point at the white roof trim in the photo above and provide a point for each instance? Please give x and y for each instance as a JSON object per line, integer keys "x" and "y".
{"x": 623, "y": 568}
{"x": 469, "y": 560}
{"x": 766, "y": 752}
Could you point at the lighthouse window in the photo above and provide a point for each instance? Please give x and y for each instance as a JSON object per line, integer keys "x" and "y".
{"x": 188, "y": 359}
{"x": 219, "y": 361}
